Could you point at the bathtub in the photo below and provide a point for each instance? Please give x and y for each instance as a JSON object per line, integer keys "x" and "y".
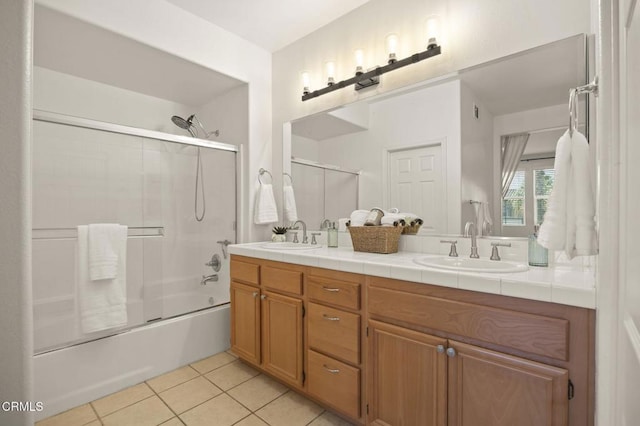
{"x": 75, "y": 375}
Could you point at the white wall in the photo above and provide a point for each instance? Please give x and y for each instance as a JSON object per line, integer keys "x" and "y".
{"x": 476, "y": 155}
{"x": 474, "y": 32}
{"x": 16, "y": 321}
{"x": 67, "y": 94}
{"x": 228, "y": 113}
{"x": 166, "y": 27}
{"x": 305, "y": 148}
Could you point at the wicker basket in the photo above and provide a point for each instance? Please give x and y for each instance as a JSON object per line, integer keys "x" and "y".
{"x": 375, "y": 239}
{"x": 413, "y": 227}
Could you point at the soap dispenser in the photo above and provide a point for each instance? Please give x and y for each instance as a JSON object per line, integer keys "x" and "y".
{"x": 332, "y": 235}
{"x": 538, "y": 255}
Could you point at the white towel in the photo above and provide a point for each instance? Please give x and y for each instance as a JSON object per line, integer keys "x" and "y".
{"x": 342, "y": 224}
{"x": 484, "y": 218}
{"x": 102, "y": 303}
{"x": 104, "y": 242}
{"x": 569, "y": 223}
{"x": 391, "y": 218}
{"x": 358, "y": 217}
{"x": 265, "y": 210}
{"x": 290, "y": 209}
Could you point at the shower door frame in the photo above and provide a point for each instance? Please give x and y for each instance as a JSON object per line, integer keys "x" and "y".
{"x": 73, "y": 121}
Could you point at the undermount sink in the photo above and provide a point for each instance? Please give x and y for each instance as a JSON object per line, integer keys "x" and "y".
{"x": 466, "y": 264}
{"x": 290, "y": 246}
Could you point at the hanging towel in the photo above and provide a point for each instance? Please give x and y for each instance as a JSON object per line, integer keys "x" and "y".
{"x": 102, "y": 303}
{"x": 484, "y": 218}
{"x": 290, "y": 209}
{"x": 569, "y": 223}
{"x": 265, "y": 210}
{"x": 104, "y": 242}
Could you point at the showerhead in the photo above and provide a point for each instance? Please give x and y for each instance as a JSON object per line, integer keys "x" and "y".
{"x": 181, "y": 122}
{"x": 188, "y": 125}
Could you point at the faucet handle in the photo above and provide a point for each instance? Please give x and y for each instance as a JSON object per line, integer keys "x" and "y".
{"x": 453, "y": 252}
{"x": 313, "y": 237}
{"x": 295, "y": 236}
{"x": 494, "y": 251}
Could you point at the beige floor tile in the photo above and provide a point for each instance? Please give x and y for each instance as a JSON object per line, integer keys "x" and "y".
{"x": 290, "y": 409}
{"x": 257, "y": 392}
{"x": 150, "y": 412}
{"x": 172, "y": 378}
{"x": 252, "y": 420}
{"x": 329, "y": 419}
{"x": 94, "y": 423}
{"x": 189, "y": 394}
{"x": 124, "y": 398}
{"x": 231, "y": 375}
{"x": 218, "y": 360}
{"x": 231, "y": 353}
{"x": 76, "y": 416}
{"x": 219, "y": 411}
{"x": 173, "y": 422}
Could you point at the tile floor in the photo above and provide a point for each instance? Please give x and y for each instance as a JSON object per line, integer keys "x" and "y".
{"x": 219, "y": 390}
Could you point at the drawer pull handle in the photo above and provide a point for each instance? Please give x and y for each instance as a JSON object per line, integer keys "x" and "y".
{"x": 328, "y": 318}
{"x": 331, "y": 370}
{"x": 332, "y": 290}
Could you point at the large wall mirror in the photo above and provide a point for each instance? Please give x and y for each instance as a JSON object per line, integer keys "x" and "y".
{"x": 436, "y": 148}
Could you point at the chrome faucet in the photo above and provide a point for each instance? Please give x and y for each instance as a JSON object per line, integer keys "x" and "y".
{"x": 325, "y": 224}
{"x": 470, "y": 230}
{"x": 305, "y": 239}
{"x": 208, "y": 278}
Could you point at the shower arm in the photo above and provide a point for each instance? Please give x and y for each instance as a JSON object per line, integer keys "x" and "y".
{"x": 206, "y": 134}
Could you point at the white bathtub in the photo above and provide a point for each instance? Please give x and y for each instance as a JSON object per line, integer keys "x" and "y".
{"x": 73, "y": 376}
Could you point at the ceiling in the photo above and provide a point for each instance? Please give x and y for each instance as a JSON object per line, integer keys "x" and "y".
{"x": 270, "y": 24}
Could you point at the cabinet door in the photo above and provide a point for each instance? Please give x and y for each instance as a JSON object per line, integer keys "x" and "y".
{"x": 488, "y": 388}
{"x": 282, "y": 337}
{"x": 407, "y": 377}
{"x": 245, "y": 322}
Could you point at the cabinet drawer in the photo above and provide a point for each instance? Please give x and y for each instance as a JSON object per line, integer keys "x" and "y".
{"x": 334, "y": 332}
{"x": 334, "y": 292}
{"x": 336, "y": 383}
{"x": 531, "y": 333}
{"x": 282, "y": 279}
{"x": 245, "y": 272}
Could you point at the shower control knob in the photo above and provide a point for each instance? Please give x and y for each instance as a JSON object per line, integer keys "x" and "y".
{"x": 214, "y": 263}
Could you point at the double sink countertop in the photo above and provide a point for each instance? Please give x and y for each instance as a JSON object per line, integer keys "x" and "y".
{"x": 560, "y": 283}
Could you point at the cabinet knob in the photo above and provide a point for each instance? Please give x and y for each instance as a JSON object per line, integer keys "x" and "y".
{"x": 255, "y": 294}
{"x": 331, "y": 370}
{"x": 328, "y": 318}
{"x": 263, "y": 296}
{"x": 440, "y": 349}
{"x": 451, "y": 352}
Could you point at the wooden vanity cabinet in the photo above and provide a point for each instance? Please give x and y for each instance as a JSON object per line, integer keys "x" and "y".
{"x": 334, "y": 340}
{"x": 440, "y": 356}
{"x": 266, "y": 317}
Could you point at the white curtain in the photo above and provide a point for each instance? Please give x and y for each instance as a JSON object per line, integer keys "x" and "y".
{"x": 512, "y": 148}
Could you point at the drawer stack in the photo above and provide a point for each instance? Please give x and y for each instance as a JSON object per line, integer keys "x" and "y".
{"x": 334, "y": 338}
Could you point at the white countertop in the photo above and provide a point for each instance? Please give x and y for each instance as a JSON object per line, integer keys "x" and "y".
{"x": 565, "y": 284}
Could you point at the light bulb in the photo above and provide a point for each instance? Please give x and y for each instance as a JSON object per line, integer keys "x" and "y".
{"x": 305, "y": 83}
{"x": 392, "y": 46}
{"x": 331, "y": 71}
{"x": 433, "y": 32}
{"x": 359, "y": 54}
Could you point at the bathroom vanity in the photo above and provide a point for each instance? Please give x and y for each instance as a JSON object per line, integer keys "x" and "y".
{"x": 383, "y": 341}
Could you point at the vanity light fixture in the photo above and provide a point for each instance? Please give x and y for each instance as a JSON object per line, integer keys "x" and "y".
{"x": 433, "y": 32}
{"x": 305, "y": 83}
{"x": 392, "y": 47}
{"x": 331, "y": 72}
{"x": 372, "y": 77}
{"x": 359, "y": 55}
